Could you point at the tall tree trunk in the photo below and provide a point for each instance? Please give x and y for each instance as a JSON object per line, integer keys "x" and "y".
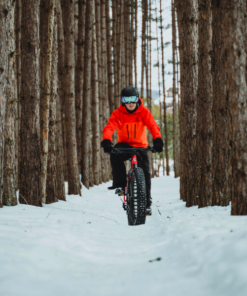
{"x": 105, "y": 101}
{"x": 86, "y": 123}
{"x": 61, "y": 84}
{"x": 9, "y": 174}
{"x": 135, "y": 42}
{"x": 204, "y": 124}
{"x": 95, "y": 112}
{"x": 164, "y": 93}
{"x": 59, "y": 125}
{"x": 109, "y": 58}
{"x": 4, "y": 27}
{"x": 143, "y": 56}
{"x": 51, "y": 184}
{"x": 181, "y": 124}
{"x": 99, "y": 57}
{"x": 18, "y": 78}
{"x": 221, "y": 149}
{"x": 73, "y": 173}
{"x": 80, "y": 76}
{"x": 160, "y": 102}
{"x": 122, "y": 47}
{"x": 190, "y": 81}
{"x": 115, "y": 55}
{"x": 175, "y": 128}
{"x": 234, "y": 27}
{"x": 30, "y": 187}
{"x": 46, "y": 100}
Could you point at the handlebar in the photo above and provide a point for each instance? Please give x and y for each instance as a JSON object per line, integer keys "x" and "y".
{"x": 132, "y": 150}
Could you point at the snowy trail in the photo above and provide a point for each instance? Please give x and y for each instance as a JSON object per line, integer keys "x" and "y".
{"x": 85, "y": 247}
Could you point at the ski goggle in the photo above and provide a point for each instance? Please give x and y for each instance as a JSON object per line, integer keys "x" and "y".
{"x": 128, "y": 100}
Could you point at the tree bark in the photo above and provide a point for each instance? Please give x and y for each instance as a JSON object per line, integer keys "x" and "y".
{"x": 61, "y": 85}
{"x": 9, "y": 173}
{"x": 175, "y": 128}
{"x": 204, "y": 124}
{"x": 59, "y": 126}
{"x": 135, "y": 42}
{"x": 234, "y": 29}
{"x": 221, "y": 149}
{"x": 188, "y": 32}
{"x": 18, "y": 78}
{"x": 86, "y": 123}
{"x": 79, "y": 77}
{"x": 30, "y": 187}
{"x": 73, "y": 173}
{"x": 109, "y": 58}
{"x": 51, "y": 184}
{"x": 46, "y": 100}
{"x": 164, "y": 93}
{"x": 95, "y": 112}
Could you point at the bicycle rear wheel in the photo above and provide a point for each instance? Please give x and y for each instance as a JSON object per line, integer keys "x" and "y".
{"x": 137, "y": 198}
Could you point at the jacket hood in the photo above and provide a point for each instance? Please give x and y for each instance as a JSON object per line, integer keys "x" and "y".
{"x": 138, "y": 110}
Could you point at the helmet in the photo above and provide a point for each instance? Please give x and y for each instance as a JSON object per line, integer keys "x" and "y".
{"x": 129, "y": 91}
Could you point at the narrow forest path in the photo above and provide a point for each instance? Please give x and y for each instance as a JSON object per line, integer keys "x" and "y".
{"x": 85, "y": 247}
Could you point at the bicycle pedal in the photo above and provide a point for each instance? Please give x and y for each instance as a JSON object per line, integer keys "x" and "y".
{"x": 121, "y": 194}
{"x": 119, "y": 191}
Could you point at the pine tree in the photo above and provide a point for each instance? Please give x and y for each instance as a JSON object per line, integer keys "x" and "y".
{"x": 86, "y": 123}
{"x": 9, "y": 168}
{"x": 204, "y": 124}
{"x": 164, "y": 92}
{"x": 30, "y": 101}
{"x": 221, "y": 148}
{"x": 69, "y": 64}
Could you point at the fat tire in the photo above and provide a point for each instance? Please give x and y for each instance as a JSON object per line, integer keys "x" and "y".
{"x": 137, "y": 198}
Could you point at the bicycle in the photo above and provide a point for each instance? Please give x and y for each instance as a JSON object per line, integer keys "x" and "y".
{"x": 135, "y": 198}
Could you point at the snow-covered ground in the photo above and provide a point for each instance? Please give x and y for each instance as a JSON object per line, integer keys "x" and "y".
{"x": 85, "y": 247}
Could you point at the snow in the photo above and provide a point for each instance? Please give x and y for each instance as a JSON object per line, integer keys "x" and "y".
{"x": 85, "y": 247}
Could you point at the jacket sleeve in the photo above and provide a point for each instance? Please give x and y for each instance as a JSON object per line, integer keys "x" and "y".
{"x": 112, "y": 125}
{"x": 151, "y": 124}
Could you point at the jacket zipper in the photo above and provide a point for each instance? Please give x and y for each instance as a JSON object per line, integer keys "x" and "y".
{"x": 135, "y": 132}
{"x": 128, "y": 131}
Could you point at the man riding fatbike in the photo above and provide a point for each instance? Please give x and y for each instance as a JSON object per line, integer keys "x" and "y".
{"x": 131, "y": 120}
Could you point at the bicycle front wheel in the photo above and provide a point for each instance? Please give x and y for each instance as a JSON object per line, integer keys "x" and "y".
{"x": 137, "y": 198}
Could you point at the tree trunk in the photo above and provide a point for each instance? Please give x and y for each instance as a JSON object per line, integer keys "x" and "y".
{"x": 143, "y": 57}
{"x": 204, "y": 124}
{"x": 164, "y": 93}
{"x": 99, "y": 57}
{"x": 122, "y": 46}
{"x": 87, "y": 94}
{"x": 61, "y": 85}
{"x": 109, "y": 58}
{"x": 79, "y": 77}
{"x": 46, "y": 100}
{"x": 18, "y": 78}
{"x": 73, "y": 173}
{"x": 221, "y": 149}
{"x": 135, "y": 42}
{"x": 95, "y": 112}
{"x": 30, "y": 187}
{"x": 187, "y": 22}
{"x": 175, "y": 128}
{"x": 59, "y": 125}
{"x": 51, "y": 184}
{"x": 9, "y": 173}
{"x": 234, "y": 29}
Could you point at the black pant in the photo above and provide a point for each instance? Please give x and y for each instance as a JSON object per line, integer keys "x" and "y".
{"x": 119, "y": 171}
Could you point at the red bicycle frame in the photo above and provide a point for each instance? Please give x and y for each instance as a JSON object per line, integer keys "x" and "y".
{"x": 134, "y": 161}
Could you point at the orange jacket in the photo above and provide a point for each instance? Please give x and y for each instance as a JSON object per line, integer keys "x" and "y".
{"x": 132, "y": 127}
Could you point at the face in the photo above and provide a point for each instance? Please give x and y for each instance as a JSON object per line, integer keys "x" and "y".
{"x": 131, "y": 106}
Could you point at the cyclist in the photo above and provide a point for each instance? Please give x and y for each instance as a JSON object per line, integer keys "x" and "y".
{"x": 131, "y": 120}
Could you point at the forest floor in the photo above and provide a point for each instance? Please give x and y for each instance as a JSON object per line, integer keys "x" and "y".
{"x": 85, "y": 247}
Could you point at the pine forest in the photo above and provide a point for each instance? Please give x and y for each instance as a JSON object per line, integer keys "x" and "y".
{"x": 63, "y": 65}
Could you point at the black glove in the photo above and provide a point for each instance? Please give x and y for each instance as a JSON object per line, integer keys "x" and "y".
{"x": 158, "y": 145}
{"x": 107, "y": 145}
